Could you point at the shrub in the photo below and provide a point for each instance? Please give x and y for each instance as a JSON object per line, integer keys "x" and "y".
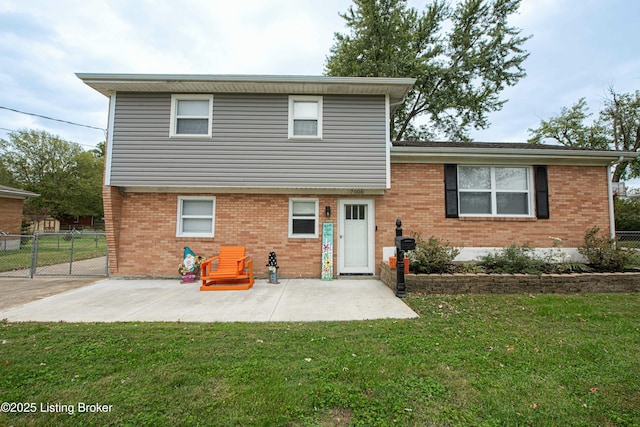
{"x": 433, "y": 256}
{"x": 471, "y": 268}
{"x": 603, "y": 252}
{"x": 569, "y": 267}
{"x": 514, "y": 259}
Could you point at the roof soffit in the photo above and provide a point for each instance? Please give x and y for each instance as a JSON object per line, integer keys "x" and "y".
{"x": 107, "y": 84}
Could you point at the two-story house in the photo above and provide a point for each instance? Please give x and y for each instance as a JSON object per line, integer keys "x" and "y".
{"x": 264, "y": 161}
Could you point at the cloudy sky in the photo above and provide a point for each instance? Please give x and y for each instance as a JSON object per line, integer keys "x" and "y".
{"x": 579, "y": 48}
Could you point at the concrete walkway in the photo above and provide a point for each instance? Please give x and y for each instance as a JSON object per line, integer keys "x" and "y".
{"x": 118, "y": 300}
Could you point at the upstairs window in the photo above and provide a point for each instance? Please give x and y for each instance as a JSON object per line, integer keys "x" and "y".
{"x": 191, "y": 115}
{"x": 305, "y": 117}
{"x": 494, "y": 191}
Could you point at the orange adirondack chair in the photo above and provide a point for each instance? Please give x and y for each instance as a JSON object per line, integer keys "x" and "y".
{"x": 235, "y": 270}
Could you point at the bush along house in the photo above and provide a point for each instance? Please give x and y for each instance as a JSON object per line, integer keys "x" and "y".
{"x": 267, "y": 162}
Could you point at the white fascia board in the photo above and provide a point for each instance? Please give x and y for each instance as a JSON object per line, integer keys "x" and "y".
{"x": 242, "y": 78}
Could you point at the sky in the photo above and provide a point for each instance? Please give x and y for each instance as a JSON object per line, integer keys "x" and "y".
{"x": 579, "y": 48}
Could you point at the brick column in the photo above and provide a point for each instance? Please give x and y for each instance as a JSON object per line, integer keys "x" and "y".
{"x": 112, "y": 200}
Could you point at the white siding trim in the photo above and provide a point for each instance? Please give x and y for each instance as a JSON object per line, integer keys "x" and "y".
{"x": 387, "y": 117}
{"x": 109, "y": 142}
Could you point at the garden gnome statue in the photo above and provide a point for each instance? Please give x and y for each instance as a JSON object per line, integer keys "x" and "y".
{"x": 189, "y": 264}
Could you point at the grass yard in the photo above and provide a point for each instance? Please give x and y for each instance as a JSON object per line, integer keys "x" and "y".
{"x": 54, "y": 249}
{"x": 541, "y": 360}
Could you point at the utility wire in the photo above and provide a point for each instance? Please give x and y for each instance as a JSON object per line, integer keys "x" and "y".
{"x": 65, "y": 140}
{"x": 51, "y": 118}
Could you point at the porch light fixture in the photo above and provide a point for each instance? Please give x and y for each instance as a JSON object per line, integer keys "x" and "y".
{"x": 327, "y": 211}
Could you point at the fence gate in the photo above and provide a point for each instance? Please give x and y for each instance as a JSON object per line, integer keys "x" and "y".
{"x": 54, "y": 254}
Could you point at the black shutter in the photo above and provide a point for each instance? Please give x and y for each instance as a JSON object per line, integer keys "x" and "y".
{"x": 542, "y": 192}
{"x": 451, "y": 190}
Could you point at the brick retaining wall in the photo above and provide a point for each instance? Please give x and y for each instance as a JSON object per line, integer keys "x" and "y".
{"x": 513, "y": 283}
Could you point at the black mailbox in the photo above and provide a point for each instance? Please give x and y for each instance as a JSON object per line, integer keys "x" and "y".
{"x": 405, "y": 243}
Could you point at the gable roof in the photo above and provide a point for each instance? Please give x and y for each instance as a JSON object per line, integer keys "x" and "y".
{"x": 501, "y": 153}
{"x": 108, "y": 84}
{"x": 15, "y": 193}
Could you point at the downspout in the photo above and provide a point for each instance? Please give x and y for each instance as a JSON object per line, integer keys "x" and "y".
{"x": 612, "y": 218}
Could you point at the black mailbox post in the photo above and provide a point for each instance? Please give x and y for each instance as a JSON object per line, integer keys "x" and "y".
{"x": 402, "y": 244}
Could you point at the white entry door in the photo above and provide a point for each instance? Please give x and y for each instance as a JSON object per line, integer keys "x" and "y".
{"x": 356, "y": 236}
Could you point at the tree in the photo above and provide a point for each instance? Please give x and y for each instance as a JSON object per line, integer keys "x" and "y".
{"x": 627, "y": 214}
{"x": 99, "y": 150}
{"x": 462, "y": 57}
{"x": 617, "y": 127}
{"x": 68, "y": 179}
{"x": 6, "y": 177}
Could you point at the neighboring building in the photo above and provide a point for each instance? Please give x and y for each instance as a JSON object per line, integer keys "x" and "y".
{"x": 79, "y": 222}
{"x": 264, "y": 161}
{"x": 11, "y": 206}
{"x": 44, "y": 224}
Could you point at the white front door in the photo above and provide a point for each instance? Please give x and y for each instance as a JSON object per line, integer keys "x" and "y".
{"x": 356, "y": 236}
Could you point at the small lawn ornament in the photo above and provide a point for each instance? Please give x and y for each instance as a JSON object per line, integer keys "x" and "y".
{"x": 190, "y": 267}
{"x": 272, "y": 267}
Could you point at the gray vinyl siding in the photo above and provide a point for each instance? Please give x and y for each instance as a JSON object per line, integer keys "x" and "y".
{"x": 249, "y": 146}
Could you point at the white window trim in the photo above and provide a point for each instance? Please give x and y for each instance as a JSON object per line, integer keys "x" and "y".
{"x": 306, "y": 98}
{"x": 180, "y": 217}
{"x": 174, "y": 114}
{"x": 494, "y": 191}
{"x": 316, "y": 218}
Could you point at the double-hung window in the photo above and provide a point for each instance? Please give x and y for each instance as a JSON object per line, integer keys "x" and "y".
{"x": 494, "y": 191}
{"x": 196, "y": 216}
{"x": 303, "y": 218}
{"x": 305, "y": 117}
{"x": 191, "y": 115}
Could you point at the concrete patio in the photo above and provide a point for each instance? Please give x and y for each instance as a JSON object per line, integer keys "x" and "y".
{"x": 119, "y": 300}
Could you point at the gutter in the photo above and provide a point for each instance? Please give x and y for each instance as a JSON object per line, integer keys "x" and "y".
{"x": 436, "y": 153}
{"x": 612, "y": 218}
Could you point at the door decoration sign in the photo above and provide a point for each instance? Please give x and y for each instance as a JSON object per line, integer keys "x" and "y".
{"x": 327, "y": 251}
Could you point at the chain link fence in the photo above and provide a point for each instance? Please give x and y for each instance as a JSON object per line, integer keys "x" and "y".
{"x": 628, "y": 239}
{"x": 53, "y": 254}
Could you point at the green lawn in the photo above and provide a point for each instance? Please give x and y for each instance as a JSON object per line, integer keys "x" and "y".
{"x": 54, "y": 249}
{"x": 542, "y": 360}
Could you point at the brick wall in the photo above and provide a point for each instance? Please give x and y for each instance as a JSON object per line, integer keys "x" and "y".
{"x": 148, "y": 245}
{"x": 11, "y": 215}
{"x": 578, "y": 200}
{"x": 112, "y": 202}
{"x": 141, "y": 227}
{"x": 513, "y": 283}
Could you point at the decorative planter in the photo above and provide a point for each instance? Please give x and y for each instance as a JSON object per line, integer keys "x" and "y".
{"x": 189, "y": 277}
{"x": 273, "y": 276}
{"x": 393, "y": 264}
